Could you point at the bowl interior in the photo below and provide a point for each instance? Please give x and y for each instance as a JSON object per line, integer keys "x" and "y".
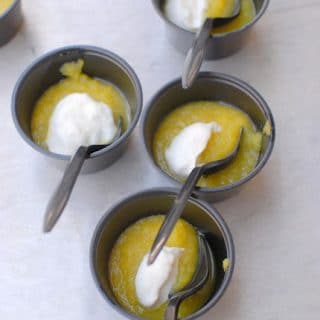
{"x": 43, "y": 73}
{"x": 214, "y": 87}
{"x": 159, "y": 202}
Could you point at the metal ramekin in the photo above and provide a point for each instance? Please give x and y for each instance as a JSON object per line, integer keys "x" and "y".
{"x": 99, "y": 63}
{"x": 10, "y": 22}
{"x": 214, "y": 87}
{"x": 152, "y": 202}
{"x": 219, "y": 45}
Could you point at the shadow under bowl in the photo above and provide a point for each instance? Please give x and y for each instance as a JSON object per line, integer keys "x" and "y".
{"x": 219, "y": 45}
{"x": 154, "y": 202}
{"x": 98, "y": 63}
{"x": 211, "y": 87}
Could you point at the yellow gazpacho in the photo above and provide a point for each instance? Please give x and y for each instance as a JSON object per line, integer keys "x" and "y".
{"x": 75, "y": 81}
{"x": 130, "y": 248}
{"x": 220, "y": 144}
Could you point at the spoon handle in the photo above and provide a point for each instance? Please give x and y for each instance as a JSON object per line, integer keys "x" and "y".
{"x": 62, "y": 194}
{"x": 172, "y": 309}
{"x": 196, "y": 54}
{"x": 174, "y": 213}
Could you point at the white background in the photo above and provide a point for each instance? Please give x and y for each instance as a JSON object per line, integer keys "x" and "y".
{"x": 274, "y": 220}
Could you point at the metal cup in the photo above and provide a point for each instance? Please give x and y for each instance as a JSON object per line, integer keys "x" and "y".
{"x": 219, "y": 45}
{"x": 214, "y": 87}
{"x": 98, "y": 63}
{"x": 153, "y": 202}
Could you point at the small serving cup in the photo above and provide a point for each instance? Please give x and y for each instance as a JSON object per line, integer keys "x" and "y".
{"x": 153, "y": 202}
{"x": 212, "y": 87}
{"x": 10, "y": 21}
{"x": 98, "y": 63}
{"x": 219, "y": 45}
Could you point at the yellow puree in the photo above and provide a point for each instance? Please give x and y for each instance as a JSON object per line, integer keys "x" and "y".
{"x": 130, "y": 248}
{"x": 74, "y": 82}
{"x": 224, "y": 8}
{"x": 220, "y": 145}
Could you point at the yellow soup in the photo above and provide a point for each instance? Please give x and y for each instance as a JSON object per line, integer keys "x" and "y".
{"x": 224, "y": 8}
{"x": 130, "y": 248}
{"x": 220, "y": 144}
{"x": 4, "y": 5}
{"x": 75, "y": 82}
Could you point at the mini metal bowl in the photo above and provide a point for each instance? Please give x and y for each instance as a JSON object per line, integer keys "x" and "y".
{"x": 10, "y": 22}
{"x": 98, "y": 63}
{"x": 153, "y": 202}
{"x": 212, "y": 87}
{"x": 219, "y": 45}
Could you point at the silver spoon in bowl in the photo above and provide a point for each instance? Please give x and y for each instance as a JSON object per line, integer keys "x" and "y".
{"x": 205, "y": 269}
{"x": 62, "y": 194}
{"x": 197, "y": 52}
{"x": 183, "y": 196}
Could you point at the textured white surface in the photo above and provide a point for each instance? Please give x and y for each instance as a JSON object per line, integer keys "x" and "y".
{"x": 275, "y": 219}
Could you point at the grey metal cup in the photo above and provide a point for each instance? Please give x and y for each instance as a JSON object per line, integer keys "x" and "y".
{"x": 98, "y": 63}
{"x": 212, "y": 87}
{"x": 10, "y": 22}
{"x": 153, "y": 202}
{"x": 219, "y": 45}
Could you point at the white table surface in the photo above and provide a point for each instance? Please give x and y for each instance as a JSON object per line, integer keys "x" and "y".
{"x": 274, "y": 220}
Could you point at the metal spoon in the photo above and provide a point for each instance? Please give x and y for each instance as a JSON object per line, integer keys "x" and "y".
{"x": 183, "y": 196}
{"x": 62, "y": 194}
{"x": 197, "y": 52}
{"x": 205, "y": 269}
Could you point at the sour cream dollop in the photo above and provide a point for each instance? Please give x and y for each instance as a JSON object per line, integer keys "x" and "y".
{"x": 184, "y": 150}
{"x": 78, "y": 120}
{"x": 188, "y": 14}
{"x": 154, "y": 282}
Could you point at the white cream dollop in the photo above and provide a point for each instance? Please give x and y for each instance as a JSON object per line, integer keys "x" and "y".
{"x": 181, "y": 156}
{"x": 188, "y": 14}
{"x": 78, "y": 120}
{"x": 154, "y": 282}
